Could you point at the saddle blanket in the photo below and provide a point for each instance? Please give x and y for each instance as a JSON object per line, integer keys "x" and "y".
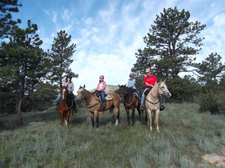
{"x": 108, "y": 97}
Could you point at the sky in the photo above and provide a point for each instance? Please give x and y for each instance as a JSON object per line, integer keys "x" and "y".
{"x": 108, "y": 33}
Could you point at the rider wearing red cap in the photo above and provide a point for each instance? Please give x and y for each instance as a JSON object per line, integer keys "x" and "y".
{"x": 131, "y": 84}
{"x": 101, "y": 88}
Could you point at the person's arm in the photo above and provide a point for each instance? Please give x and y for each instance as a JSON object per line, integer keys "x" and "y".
{"x": 148, "y": 84}
{"x": 72, "y": 87}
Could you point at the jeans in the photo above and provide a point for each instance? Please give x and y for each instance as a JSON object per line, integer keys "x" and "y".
{"x": 103, "y": 96}
{"x": 138, "y": 92}
{"x": 57, "y": 100}
{"x": 143, "y": 97}
{"x": 59, "y": 97}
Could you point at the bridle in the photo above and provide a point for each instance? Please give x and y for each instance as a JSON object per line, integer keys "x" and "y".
{"x": 92, "y": 103}
{"x": 65, "y": 100}
{"x": 125, "y": 101}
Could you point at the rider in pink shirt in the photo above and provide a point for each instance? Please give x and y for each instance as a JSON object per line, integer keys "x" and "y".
{"x": 101, "y": 88}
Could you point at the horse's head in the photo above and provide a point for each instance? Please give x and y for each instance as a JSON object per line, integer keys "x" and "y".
{"x": 64, "y": 92}
{"x": 163, "y": 90}
{"x": 122, "y": 92}
{"x": 80, "y": 93}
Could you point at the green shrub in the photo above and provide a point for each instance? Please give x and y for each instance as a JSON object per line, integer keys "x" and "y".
{"x": 185, "y": 162}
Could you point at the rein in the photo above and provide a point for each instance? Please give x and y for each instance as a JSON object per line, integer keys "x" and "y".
{"x": 153, "y": 97}
{"x": 92, "y": 101}
{"x": 131, "y": 102}
{"x": 71, "y": 105}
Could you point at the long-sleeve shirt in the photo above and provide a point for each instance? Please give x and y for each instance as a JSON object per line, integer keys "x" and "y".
{"x": 101, "y": 86}
{"x": 131, "y": 83}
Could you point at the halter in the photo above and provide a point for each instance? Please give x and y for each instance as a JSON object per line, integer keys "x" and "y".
{"x": 92, "y": 101}
{"x": 66, "y": 103}
{"x": 131, "y": 102}
{"x": 153, "y": 97}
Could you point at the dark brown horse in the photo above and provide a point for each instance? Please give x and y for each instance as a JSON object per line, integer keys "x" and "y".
{"x": 65, "y": 106}
{"x": 130, "y": 101}
{"x": 93, "y": 104}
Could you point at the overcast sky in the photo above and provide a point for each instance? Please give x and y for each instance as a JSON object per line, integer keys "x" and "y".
{"x": 108, "y": 33}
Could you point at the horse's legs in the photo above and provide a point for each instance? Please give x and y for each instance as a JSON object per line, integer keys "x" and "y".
{"x": 139, "y": 111}
{"x": 128, "y": 115}
{"x": 157, "y": 120}
{"x": 92, "y": 119}
{"x": 97, "y": 118}
{"x": 67, "y": 117}
{"x": 117, "y": 108}
{"x": 61, "y": 117}
{"x": 133, "y": 110}
{"x": 150, "y": 119}
{"x": 112, "y": 112}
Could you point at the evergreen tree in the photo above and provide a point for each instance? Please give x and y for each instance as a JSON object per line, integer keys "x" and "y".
{"x": 61, "y": 57}
{"x": 6, "y": 22}
{"x": 24, "y": 57}
{"x": 170, "y": 44}
{"x": 211, "y": 68}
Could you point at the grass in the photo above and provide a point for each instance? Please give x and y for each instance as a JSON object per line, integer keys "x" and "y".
{"x": 185, "y": 135}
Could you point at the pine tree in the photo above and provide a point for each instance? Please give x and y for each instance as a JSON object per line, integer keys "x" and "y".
{"x": 6, "y": 22}
{"x": 61, "y": 57}
{"x": 170, "y": 44}
{"x": 211, "y": 68}
{"x": 24, "y": 57}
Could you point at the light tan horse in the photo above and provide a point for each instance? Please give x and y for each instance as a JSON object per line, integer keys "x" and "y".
{"x": 94, "y": 105}
{"x": 152, "y": 102}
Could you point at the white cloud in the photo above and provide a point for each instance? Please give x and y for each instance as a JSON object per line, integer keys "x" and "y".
{"x": 219, "y": 20}
{"x": 54, "y": 17}
{"x": 107, "y": 36}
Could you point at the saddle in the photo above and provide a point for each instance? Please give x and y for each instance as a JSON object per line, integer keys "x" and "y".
{"x": 107, "y": 96}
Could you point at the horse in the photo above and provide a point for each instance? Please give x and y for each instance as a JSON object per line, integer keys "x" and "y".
{"x": 65, "y": 106}
{"x": 93, "y": 104}
{"x": 152, "y": 102}
{"x": 130, "y": 101}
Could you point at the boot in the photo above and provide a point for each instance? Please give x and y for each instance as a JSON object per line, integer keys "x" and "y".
{"x": 102, "y": 106}
{"x": 162, "y": 107}
{"x": 143, "y": 105}
{"x": 75, "y": 109}
{"x": 57, "y": 107}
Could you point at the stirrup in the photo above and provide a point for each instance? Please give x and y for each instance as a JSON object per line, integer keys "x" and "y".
{"x": 162, "y": 107}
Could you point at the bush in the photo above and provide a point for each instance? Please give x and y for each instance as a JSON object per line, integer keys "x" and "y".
{"x": 212, "y": 102}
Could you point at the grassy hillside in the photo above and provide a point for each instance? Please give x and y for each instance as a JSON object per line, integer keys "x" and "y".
{"x": 186, "y": 136}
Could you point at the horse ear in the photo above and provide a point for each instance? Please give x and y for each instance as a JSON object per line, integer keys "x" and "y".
{"x": 118, "y": 85}
{"x": 164, "y": 81}
{"x": 84, "y": 86}
{"x": 125, "y": 85}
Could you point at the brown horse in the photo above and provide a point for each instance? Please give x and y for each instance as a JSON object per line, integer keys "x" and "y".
{"x": 93, "y": 104}
{"x": 152, "y": 101}
{"x": 65, "y": 106}
{"x": 130, "y": 101}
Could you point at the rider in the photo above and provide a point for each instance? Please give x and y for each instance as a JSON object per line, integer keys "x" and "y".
{"x": 131, "y": 84}
{"x": 70, "y": 87}
{"x": 149, "y": 81}
{"x": 101, "y": 88}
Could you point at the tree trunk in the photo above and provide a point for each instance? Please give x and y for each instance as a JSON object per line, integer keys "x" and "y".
{"x": 19, "y": 114}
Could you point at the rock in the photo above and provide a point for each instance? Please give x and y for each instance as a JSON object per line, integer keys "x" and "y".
{"x": 215, "y": 159}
